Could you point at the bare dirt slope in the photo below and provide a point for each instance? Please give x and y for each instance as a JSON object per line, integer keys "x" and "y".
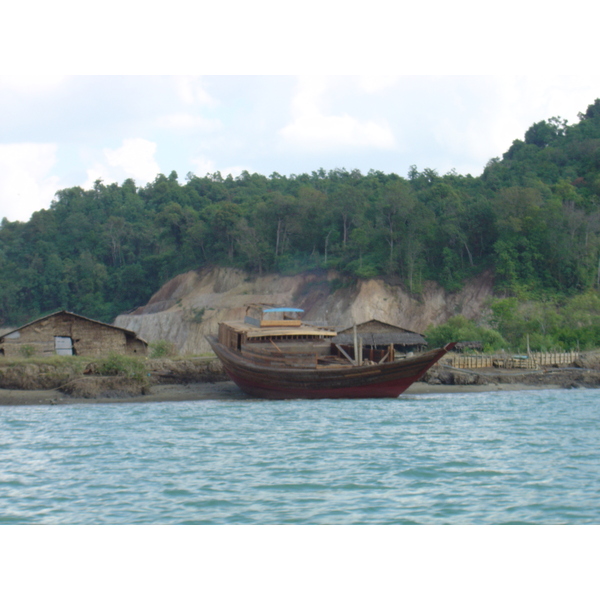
{"x": 191, "y": 305}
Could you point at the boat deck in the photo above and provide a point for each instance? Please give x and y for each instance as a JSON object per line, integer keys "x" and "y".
{"x": 302, "y": 331}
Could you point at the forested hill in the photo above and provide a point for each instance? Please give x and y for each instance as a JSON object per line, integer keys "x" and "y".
{"x": 533, "y": 216}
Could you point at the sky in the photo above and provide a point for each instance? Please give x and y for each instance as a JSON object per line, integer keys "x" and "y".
{"x": 227, "y": 91}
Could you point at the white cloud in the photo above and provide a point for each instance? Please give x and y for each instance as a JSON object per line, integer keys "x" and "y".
{"x": 480, "y": 118}
{"x": 203, "y": 166}
{"x": 311, "y": 127}
{"x": 191, "y": 91}
{"x": 186, "y": 121}
{"x": 26, "y": 183}
{"x": 134, "y": 159}
{"x": 523, "y": 101}
{"x": 468, "y": 142}
{"x": 321, "y": 131}
{"x": 377, "y": 83}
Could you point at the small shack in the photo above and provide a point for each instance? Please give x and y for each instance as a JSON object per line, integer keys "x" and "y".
{"x": 67, "y": 333}
{"x": 379, "y": 335}
{"x": 467, "y": 346}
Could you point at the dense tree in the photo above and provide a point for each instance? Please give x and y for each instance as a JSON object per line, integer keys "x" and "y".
{"x": 533, "y": 217}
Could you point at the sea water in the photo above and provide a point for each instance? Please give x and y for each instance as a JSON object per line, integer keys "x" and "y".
{"x": 529, "y": 457}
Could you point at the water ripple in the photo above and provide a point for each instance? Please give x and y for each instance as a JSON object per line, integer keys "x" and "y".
{"x": 495, "y": 458}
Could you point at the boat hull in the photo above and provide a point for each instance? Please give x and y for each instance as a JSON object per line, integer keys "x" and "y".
{"x": 386, "y": 380}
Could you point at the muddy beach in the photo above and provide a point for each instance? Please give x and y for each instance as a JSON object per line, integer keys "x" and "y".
{"x": 227, "y": 390}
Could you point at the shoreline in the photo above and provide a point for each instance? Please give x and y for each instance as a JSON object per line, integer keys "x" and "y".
{"x": 227, "y": 390}
{"x": 171, "y": 380}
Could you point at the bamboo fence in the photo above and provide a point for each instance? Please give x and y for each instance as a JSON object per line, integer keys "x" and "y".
{"x": 505, "y": 361}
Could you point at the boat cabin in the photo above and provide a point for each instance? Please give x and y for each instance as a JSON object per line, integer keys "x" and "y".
{"x": 276, "y": 335}
{"x": 267, "y": 327}
{"x": 261, "y": 316}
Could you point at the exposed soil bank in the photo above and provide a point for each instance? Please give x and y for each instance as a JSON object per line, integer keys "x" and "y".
{"x": 83, "y": 379}
{"x": 190, "y": 306}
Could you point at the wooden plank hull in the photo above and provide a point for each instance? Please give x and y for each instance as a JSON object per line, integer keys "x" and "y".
{"x": 387, "y": 380}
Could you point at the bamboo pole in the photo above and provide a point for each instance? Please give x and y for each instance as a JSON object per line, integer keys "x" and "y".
{"x": 360, "y": 352}
{"x": 356, "y": 357}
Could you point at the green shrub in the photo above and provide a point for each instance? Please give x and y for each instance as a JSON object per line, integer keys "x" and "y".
{"x": 27, "y": 351}
{"x": 119, "y": 364}
{"x": 197, "y": 315}
{"x": 161, "y": 349}
{"x": 461, "y": 329}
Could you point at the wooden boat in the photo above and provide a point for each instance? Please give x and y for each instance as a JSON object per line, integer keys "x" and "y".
{"x": 273, "y": 354}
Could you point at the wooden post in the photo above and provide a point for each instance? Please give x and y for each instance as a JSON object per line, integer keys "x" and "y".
{"x": 344, "y": 353}
{"x": 384, "y": 357}
{"x": 355, "y": 346}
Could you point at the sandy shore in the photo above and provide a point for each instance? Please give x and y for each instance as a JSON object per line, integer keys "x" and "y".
{"x": 224, "y": 391}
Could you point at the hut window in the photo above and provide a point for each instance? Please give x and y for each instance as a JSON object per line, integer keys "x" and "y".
{"x": 63, "y": 345}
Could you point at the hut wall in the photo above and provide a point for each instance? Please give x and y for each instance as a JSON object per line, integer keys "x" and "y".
{"x": 89, "y": 338}
{"x": 135, "y": 346}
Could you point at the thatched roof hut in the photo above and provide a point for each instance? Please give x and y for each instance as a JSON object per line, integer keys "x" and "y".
{"x": 377, "y": 334}
{"x": 67, "y": 333}
{"x": 462, "y": 346}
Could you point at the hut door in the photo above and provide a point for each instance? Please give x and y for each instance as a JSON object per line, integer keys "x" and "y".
{"x": 63, "y": 345}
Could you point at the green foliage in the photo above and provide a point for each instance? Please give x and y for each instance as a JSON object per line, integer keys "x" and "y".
{"x": 120, "y": 364}
{"x": 26, "y": 351}
{"x": 161, "y": 349}
{"x": 461, "y": 329}
{"x": 78, "y": 362}
{"x": 549, "y": 324}
{"x": 196, "y": 315}
{"x": 543, "y": 133}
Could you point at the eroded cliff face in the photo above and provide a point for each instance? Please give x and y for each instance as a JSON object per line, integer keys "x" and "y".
{"x": 191, "y": 305}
